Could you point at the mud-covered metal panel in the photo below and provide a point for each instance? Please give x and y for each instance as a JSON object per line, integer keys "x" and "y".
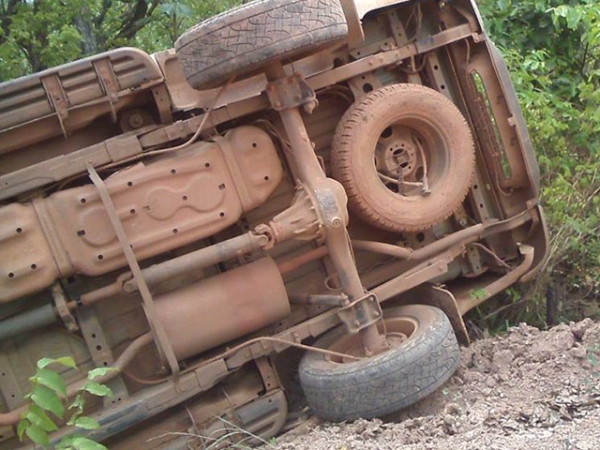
{"x": 77, "y": 83}
{"x": 26, "y": 261}
{"x": 177, "y": 199}
{"x": 162, "y": 205}
{"x": 238, "y": 301}
{"x": 168, "y": 203}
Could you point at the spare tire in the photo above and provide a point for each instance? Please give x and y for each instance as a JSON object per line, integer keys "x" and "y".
{"x": 406, "y": 157}
{"x": 424, "y": 357}
{"x": 243, "y": 40}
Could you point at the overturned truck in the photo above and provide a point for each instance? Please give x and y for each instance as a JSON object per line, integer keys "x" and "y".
{"x": 344, "y": 177}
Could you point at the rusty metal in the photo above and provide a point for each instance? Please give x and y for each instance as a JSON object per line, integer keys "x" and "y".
{"x": 163, "y": 103}
{"x": 57, "y": 98}
{"x": 201, "y": 259}
{"x": 222, "y": 303}
{"x": 248, "y": 298}
{"x": 361, "y": 313}
{"x": 28, "y": 256}
{"x": 268, "y": 374}
{"x": 108, "y": 81}
{"x": 356, "y": 34}
{"x": 300, "y": 221}
{"x": 293, "y": 264}
{"x": 162, "y": 205}
{"x": 332, "y": 207}
{"x": 326, "y": 300}
{"x": 62, "y": 309}
{"x": 442, "y": 298}
{"x": 30, "y": 178}
{"x": 195, "y": 261}
{"x": 466, "y": 302}
{"x": 27, "y": 115}
{"x": 462, "y": 237}
{"x": 291, "y": 92}
{"x": 157, "y": 328}
{"x": 101, "y": 353}
{"x": 422, "y": 273}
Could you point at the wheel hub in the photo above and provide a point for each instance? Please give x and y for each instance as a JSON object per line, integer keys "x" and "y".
{"x": 398, "y": 331}
{"x": 400, "y": 161}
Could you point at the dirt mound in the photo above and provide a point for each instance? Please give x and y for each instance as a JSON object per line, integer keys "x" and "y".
{"x": 525, "y": 390}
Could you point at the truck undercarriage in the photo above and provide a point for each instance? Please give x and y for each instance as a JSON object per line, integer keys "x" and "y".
{"x": 184, "y": 217}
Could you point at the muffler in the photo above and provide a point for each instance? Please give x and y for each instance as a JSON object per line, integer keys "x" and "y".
{"x": 222, "y": 308}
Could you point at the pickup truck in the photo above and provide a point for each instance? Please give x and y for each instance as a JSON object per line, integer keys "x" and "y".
{"x": 347, "y": 178}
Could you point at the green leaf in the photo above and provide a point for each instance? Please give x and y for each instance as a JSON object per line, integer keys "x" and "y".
{"x": 50, "y": 379}
{"x": 87, "y": 423}
{"x": 573, "y": 18}
{"x": 23, "y": 424}
{"x": 66, "y": 361}
{"x": 99, "y": 372}
{"x": 78, "y": 403}
{"x": 37, "y": 435}
{"x": 66, "y": 443}
{"x": 561, "y": 11}
{"x": 45, "y": 362}
{"x": 47, "y": 399}
{"x": 478, "y": 294}
{"x": 37, "y": 416}
{"x": 81, "y": 443}
{"x": 97, "y": 389}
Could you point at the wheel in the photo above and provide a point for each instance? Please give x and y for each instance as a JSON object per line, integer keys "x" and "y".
{"x": 240, "y": 41}
{"x": 405, "y": 156}
{"x": 424, "y": 354}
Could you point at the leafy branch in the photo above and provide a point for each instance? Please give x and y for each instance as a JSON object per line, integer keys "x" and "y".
{"x": 48, "y": 403}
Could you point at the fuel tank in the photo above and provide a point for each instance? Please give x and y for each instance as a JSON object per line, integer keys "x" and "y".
{"x": 172, "y": 201}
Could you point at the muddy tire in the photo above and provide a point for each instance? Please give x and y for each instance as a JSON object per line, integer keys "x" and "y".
{"x": 410, "y": 132}
{"x": 347, "y": 390}
{"x": 243, "y": 40}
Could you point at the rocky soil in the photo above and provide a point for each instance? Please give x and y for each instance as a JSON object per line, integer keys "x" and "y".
{"x": 526, "y": 390}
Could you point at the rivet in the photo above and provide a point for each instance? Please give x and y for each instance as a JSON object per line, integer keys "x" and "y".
{"x": 336, "y": 222}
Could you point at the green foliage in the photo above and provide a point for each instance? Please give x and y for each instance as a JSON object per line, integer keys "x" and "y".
{"x": 37, "y": 34}
{"x": 48, "y": 402}
{"x": 552, "y": 48}
{"x": 478, "y": 294}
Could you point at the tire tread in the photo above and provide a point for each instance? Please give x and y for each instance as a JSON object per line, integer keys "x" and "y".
{"x": 387, "y": 384}
{"x": 255, "y": 34}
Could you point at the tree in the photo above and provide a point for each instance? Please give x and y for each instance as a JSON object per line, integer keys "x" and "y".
{"x": 37, "y": 34}
{"x": 552, "y": 48}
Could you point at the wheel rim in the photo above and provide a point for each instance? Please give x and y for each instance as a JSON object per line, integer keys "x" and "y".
{"x": 410, "y": 157}
{"x": 398, "y": 332}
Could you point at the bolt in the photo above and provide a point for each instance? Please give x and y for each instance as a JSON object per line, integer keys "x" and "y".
{"x": 277, "y": 104}
{"x": 357, "y": 323}
{"x": 463, "y": 222}
{"x": 336, "y": 222}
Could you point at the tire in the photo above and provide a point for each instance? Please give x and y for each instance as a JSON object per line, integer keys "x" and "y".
{"x": 373, "y": 387}
{"x": 241, "y": 41}
{"x": 361, "y": 154}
